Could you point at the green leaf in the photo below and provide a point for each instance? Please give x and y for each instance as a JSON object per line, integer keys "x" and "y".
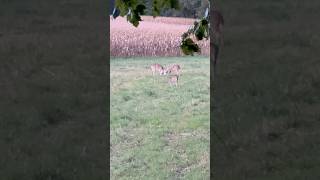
{"x": 140, "y": 9}
{"x": 201, "y": 29}
{"x": 134, "y": 18}
{"x": 132, "y": 10}
{"x": 115, "y": 13}
{"x": 200, "y": 33}
{"x": 204, "y": 22}
{"x": 188, "y": 47}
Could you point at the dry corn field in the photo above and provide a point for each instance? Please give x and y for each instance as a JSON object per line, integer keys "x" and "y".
{"x": 160, "y": 36}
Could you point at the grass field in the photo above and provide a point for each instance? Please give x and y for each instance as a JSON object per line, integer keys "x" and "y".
{"x": 158, "y": 131}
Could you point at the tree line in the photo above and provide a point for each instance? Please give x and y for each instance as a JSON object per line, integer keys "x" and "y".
{"x": 187, "y": 8}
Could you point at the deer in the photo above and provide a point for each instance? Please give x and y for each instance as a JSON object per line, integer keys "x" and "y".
{"x": 173, "y": 69}
{"x": 173, "y": 80}
{"x": 157, "y": 68}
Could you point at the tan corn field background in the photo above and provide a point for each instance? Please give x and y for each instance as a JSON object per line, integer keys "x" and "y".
{"x": 160, "y": 36}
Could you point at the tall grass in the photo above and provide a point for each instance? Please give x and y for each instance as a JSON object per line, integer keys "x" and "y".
{"x": 153, "y": 37}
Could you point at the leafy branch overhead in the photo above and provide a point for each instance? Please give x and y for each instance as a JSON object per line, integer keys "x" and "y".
{"x": 200, "y": 30}
{"x": 134, "y": 9}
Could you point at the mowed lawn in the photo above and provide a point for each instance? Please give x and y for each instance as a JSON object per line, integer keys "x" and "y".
{"x": 159, "y": 131}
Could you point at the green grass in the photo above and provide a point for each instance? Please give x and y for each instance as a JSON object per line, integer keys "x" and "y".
{"x": 159, "y": 131}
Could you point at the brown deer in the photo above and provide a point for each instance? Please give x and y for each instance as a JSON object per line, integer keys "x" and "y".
{"x": 173, "y": 69}
{"x": 157, "y": 68}
{"x": 173, "y": 80}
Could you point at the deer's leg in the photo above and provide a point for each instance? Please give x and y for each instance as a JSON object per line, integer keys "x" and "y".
{"x": 153, "y": 77}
